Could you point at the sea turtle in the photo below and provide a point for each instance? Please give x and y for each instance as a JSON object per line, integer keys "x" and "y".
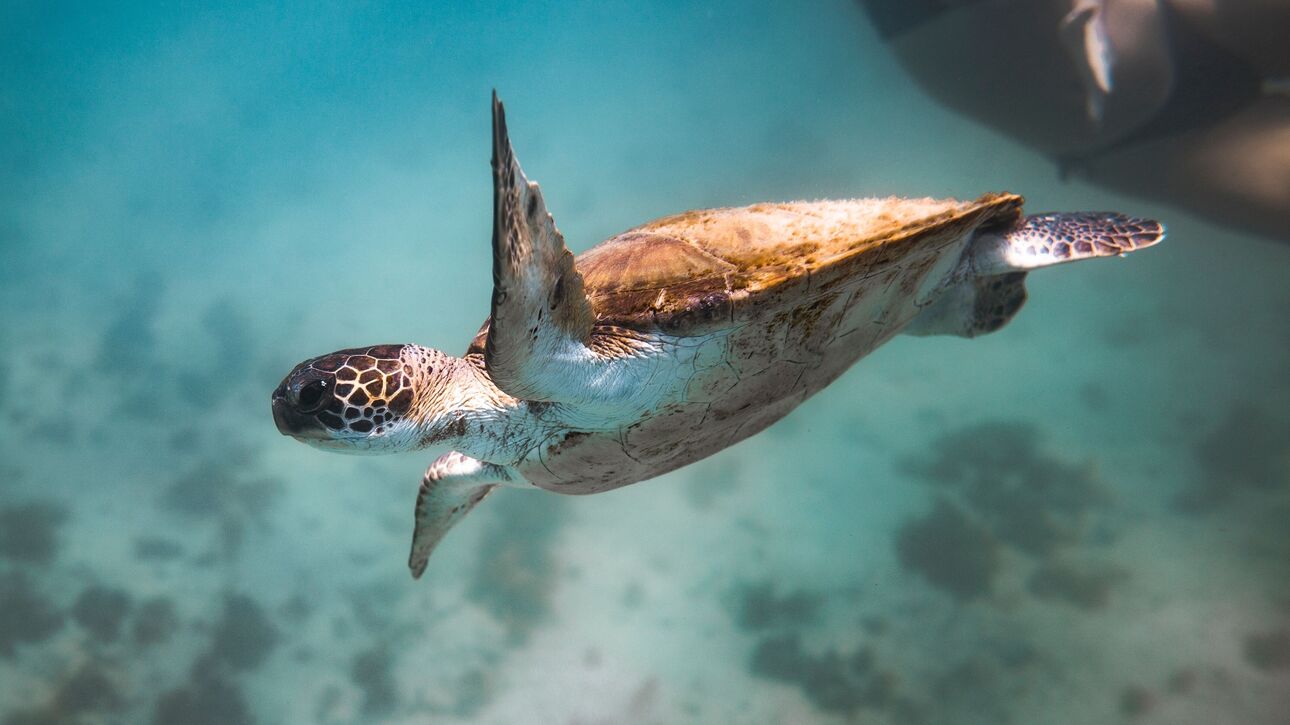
{"x": 672, "y": 340}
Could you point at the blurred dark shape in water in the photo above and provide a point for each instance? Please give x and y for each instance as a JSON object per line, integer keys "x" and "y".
{"x": 1182, "y": 681}
{"x": 517, "y": 571}
{"x": 128, "y": 355}
{"x": 370, "y": 606}
{"x": 207, "y": 699}
{"x": 298, "y": 608}
{"x": 211, "y": 488}
{"x": 1269, "y": 651}
{"x": 129, "y": 340}
{"x": 90, "y": 690}
{"x": 155, "y": 548}
{"x": 29, "y": 531}
{"x": 874, "y": 625}
{"x": 833, "y": 682}
{"x": 371, "y": 671}
{"x": 1137, "y": 701}
{"x": 999, "y": 488}
{"x": 143, "y": 404}
{"x": 325, "y": 706}
{"x": 101, "y": 610}
{"x": 233, "y": 355}
{"x": 1085, "y": 586}
{"x": 155, "y": 622}
{"x": 241, "y": 640}
{"x": 759, "y": 607}
{"x": 1029, "y": 499}
{"x": 244, "y": 637}
{"x": 642, "y": 701}
{"x": 128, "y": 351}
{"x": 473, "y": 691}
{"x": 1013, "y": 652}
{"x": 633, "y": 595}
{"x": 1172, "y": 100}
{"x": 26, "y": 616}
{"x": 1246, "y": 452}
{"x": 976, "y": 690}
{"x": 1095, "y": 397}
{"x": 230, "y": 328}
{"x": 185, "y": 441}
{"x": 226, "y": 490}
{"x": 953, "y": 552}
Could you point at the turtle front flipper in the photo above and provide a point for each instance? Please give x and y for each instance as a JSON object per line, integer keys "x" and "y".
{"x": 452, "y": 486}
{"x": 541, "y": 320}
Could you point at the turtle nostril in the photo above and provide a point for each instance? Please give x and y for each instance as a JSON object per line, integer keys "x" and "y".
{"x": 311, "y": 396}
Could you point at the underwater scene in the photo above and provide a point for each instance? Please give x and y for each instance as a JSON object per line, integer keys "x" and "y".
{"x": 1082, "y": 517}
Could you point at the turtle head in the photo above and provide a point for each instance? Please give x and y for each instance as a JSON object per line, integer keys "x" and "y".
{"x": 360, "y": 400}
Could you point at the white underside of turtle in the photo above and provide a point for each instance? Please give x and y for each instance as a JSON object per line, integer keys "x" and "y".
{"x": 675, "y": 339}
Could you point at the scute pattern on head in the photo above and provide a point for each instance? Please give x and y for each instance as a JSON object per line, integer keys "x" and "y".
{"x": 372, "y": 388}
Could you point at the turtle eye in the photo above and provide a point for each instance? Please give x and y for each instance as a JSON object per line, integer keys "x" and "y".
{"x": 311, "y": 397}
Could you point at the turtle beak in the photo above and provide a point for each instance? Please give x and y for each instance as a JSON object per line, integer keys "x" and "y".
{"x": 290, "y": 422}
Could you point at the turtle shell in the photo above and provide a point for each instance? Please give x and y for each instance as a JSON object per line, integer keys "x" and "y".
{"x": 687, "y": 273}
{"x": 695, "y": 272}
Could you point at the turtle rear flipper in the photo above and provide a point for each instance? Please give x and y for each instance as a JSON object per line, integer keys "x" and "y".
{"x": 990, "y": 286}
{"x": 971, "y": 307}
{"x": 1046, "y": 239}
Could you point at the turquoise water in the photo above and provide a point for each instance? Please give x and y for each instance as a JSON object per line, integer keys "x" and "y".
{"x": 1079, "y": 519}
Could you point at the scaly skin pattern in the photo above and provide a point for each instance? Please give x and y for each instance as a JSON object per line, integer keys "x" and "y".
{"x": 386, "y": 398}
{"x": 1046, "y": 239}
